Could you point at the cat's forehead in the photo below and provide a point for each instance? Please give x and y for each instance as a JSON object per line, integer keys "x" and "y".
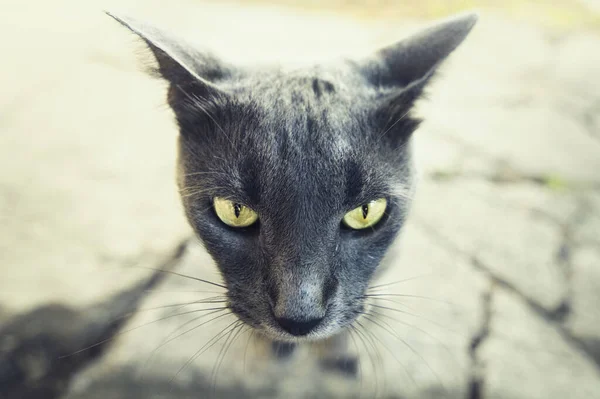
{"x": 310, "y": 110}
{"x": 338, "y": 79}
{"x": 302, "y": 132}
{"x": 310, "y": 82}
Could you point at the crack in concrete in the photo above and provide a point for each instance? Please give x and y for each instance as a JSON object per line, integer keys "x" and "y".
{"x": 563, "y": 260}
{"x": 563, "y": 256}
{"x": 475, "y": 389}
{"x": 506, "y": 175}
{"x": 554, "y": 316}
{"x": 588, "y": 120}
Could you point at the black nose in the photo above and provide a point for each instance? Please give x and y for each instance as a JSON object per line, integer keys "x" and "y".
{"x": 298, "y": 327}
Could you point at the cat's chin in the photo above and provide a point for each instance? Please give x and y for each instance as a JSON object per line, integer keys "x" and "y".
{"x": 291, "y": 339}
{"x": 323, "y": 334}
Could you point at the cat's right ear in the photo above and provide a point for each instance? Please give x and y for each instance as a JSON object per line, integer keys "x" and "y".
{"x": 178, "y": 63}
{"x": 410, "y": 63}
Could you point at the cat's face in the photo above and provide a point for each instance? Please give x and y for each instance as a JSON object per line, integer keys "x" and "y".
{"x": 301, "y": 151}
{"x": 298, "y": 182}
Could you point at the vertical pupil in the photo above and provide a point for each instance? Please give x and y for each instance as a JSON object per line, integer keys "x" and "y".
{"x": 365, "y": 211}
{"x": 237, "y": 208}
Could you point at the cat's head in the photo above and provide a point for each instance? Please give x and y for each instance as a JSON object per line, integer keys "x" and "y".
{"x": 297, "y": 182}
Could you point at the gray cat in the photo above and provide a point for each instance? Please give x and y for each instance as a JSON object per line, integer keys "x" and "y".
{"x": 298, "y": 182}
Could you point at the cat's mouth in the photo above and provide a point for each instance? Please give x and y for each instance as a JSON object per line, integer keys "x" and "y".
{"x": 299, "y": 330}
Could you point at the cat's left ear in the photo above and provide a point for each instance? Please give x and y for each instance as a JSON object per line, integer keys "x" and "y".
{"x": 178, "y": 62}
{"x": 411, "y": 62}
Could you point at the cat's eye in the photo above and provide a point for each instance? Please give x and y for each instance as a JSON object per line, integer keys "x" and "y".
{"x": 234, "y": 214}
{"x": 366, "y": 215}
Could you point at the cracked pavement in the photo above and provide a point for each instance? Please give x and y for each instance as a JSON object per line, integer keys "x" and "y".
{"x": 497, "y": 272}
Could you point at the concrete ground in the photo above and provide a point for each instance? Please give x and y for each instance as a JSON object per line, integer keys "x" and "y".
{"x": 499, "y": 263}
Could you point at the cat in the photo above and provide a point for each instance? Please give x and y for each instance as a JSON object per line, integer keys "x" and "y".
{"x": 297, "y": 182}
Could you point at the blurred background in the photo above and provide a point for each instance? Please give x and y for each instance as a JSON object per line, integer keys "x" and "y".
{"x": 499, "y": 263}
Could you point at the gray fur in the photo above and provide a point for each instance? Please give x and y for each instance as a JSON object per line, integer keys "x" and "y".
{"x": 301, "y": 148}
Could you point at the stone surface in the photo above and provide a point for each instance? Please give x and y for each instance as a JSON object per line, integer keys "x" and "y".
{"x": 473, "y": 217}
{"x": 86, "y": 165}
{"x": 525, "y": 348}
{"x": 498, "y": 267}
{"x": 586, "y": 230}
{"x": 421, "y": 337}
{"x": 585, "y": 317}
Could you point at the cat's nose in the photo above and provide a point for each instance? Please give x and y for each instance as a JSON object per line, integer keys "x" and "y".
{"x": 298, "y": 327}
{"x": 298, "y": 310}
{"x": 299, "y": 305}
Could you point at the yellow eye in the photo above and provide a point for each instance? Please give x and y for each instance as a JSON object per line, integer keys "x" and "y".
{"x": 234, "y": 214}
{"x": 366, "y": 215}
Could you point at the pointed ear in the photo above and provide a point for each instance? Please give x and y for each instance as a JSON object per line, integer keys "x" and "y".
{"x": 178, "y": 63}
{"x": 414, "y": 60}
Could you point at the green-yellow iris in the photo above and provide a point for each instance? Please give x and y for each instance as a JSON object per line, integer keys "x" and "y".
{"x": 366, "y": 215}
{"x": 234, "y": 214}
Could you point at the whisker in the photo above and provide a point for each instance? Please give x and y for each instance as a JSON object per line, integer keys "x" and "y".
{"x": 207, "y": 173}
{"x": 374, "y": 312}
{"x": 366, "y": 340}
{"x": 394, "y": 356}
{"x": 400, "y": 147}
{"x": 395, "y": 335}
{"x": 219, "y": 158}
{"x": 196, "y": 319}
{"x": 354, "y": 329}
{"x": 411, "y": 296}
{"x": 378, "y": 354}
{"x": 191, "y": 149}
{"x": 246, "y": 348}
{"x": 133, "y": 329}
{"x": 436, "y": 339}
{"x": 239, "y": 328}
{"x": 178, "y": 306}
{"x": 415, "y": 315}
{"x": 196, "y": 101}
{"x": 204, "y": 348}
{"x": 182, "y": 275}
{"x": 219, "y": 359}
{"x": 392, "y": 126}
{"x": 170, "y": 337}
{"x": 193, "y": 191}
{"x": 391, "y": 300}
{"x": 452, "y": 356}
{"x": 379, "y": 286}
{"x": 360, "y": 370}
{"x": 402, "y": 191}
{"x": 181, "y": 291}
{"x": 198, "y": 302}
